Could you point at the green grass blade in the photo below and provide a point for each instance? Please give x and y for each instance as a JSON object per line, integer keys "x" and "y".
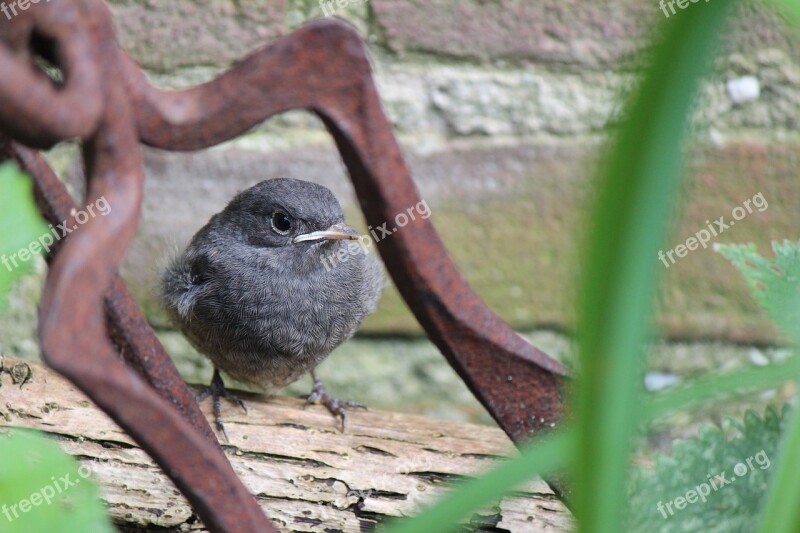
{"x": 781, "y": 512}
{"x": 635, "y": 197}
{"x": 545, "y": 455}
{"x": 717, "y": 386}
{"x": 790, "y": 8}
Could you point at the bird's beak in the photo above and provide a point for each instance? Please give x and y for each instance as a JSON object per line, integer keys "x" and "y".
{"x": 337, "y": 232}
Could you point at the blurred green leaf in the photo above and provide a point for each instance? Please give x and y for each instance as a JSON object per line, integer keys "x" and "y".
{"x": 636, "y": 192}
{"x": 42, "y": 489}
{"x": 20, "y": 224}
{"x": 775, "y": 283}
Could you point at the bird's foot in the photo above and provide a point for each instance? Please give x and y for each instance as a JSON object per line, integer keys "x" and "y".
{"x": 217, "y": 390}
{"x": 338, "y": 408}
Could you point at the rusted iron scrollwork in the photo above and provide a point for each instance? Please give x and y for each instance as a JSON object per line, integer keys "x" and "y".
{"x": 87, "y": 317}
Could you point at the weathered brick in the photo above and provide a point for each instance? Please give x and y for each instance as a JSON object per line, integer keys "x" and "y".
{"x": 593, "y": 34}
{"x": 167, "y": 35}
{"x": 564, "y": 31}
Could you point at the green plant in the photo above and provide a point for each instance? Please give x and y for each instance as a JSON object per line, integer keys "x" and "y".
{"x": 694, "y": 463}
{"x": 20, "y": 224}
{"x": 44, "y": 489}
{"x": 637, "y": 186}
{"x": 776, "y": 286}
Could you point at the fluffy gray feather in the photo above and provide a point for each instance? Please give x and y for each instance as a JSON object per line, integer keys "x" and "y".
{"x": 263, "y": 308}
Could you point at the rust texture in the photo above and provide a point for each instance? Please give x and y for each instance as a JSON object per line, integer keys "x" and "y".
{"x": 87, "y": 316}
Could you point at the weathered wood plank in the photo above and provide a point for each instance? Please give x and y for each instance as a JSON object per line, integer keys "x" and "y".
{"x": 305, "y": 473}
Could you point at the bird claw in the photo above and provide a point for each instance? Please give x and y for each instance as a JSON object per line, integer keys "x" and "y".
{"x": 338, "y": 408}
{"x": 217, "y": 390}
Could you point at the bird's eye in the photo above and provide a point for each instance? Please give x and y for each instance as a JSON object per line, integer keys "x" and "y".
{"x": 281, "y": 223}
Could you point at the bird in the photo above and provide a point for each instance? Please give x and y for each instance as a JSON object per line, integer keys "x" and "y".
{"x": 269, "y": 287}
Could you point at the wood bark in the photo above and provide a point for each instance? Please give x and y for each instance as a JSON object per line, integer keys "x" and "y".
{"x": 306, "y": 474}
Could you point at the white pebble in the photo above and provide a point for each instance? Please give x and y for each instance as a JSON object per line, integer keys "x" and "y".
{"x": 656, "y": 381}
{"x": 744, "y": 89}
{"x": 758, "y": 358}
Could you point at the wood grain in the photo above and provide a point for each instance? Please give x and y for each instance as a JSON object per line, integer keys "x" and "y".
{"x": 306, "y": 474}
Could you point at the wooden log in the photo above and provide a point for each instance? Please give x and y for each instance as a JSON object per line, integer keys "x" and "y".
{"x": 306, "y": 474}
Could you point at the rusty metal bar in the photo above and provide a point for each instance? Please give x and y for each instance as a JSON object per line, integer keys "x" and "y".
{"x": 33, "y": 110}
{"x": 129, "y": 330}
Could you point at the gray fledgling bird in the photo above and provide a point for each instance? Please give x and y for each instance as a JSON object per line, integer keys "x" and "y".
{"x": 253, "y": 294}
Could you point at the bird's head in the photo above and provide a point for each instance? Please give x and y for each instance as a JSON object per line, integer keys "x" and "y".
{"x": 287, "y": 213}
